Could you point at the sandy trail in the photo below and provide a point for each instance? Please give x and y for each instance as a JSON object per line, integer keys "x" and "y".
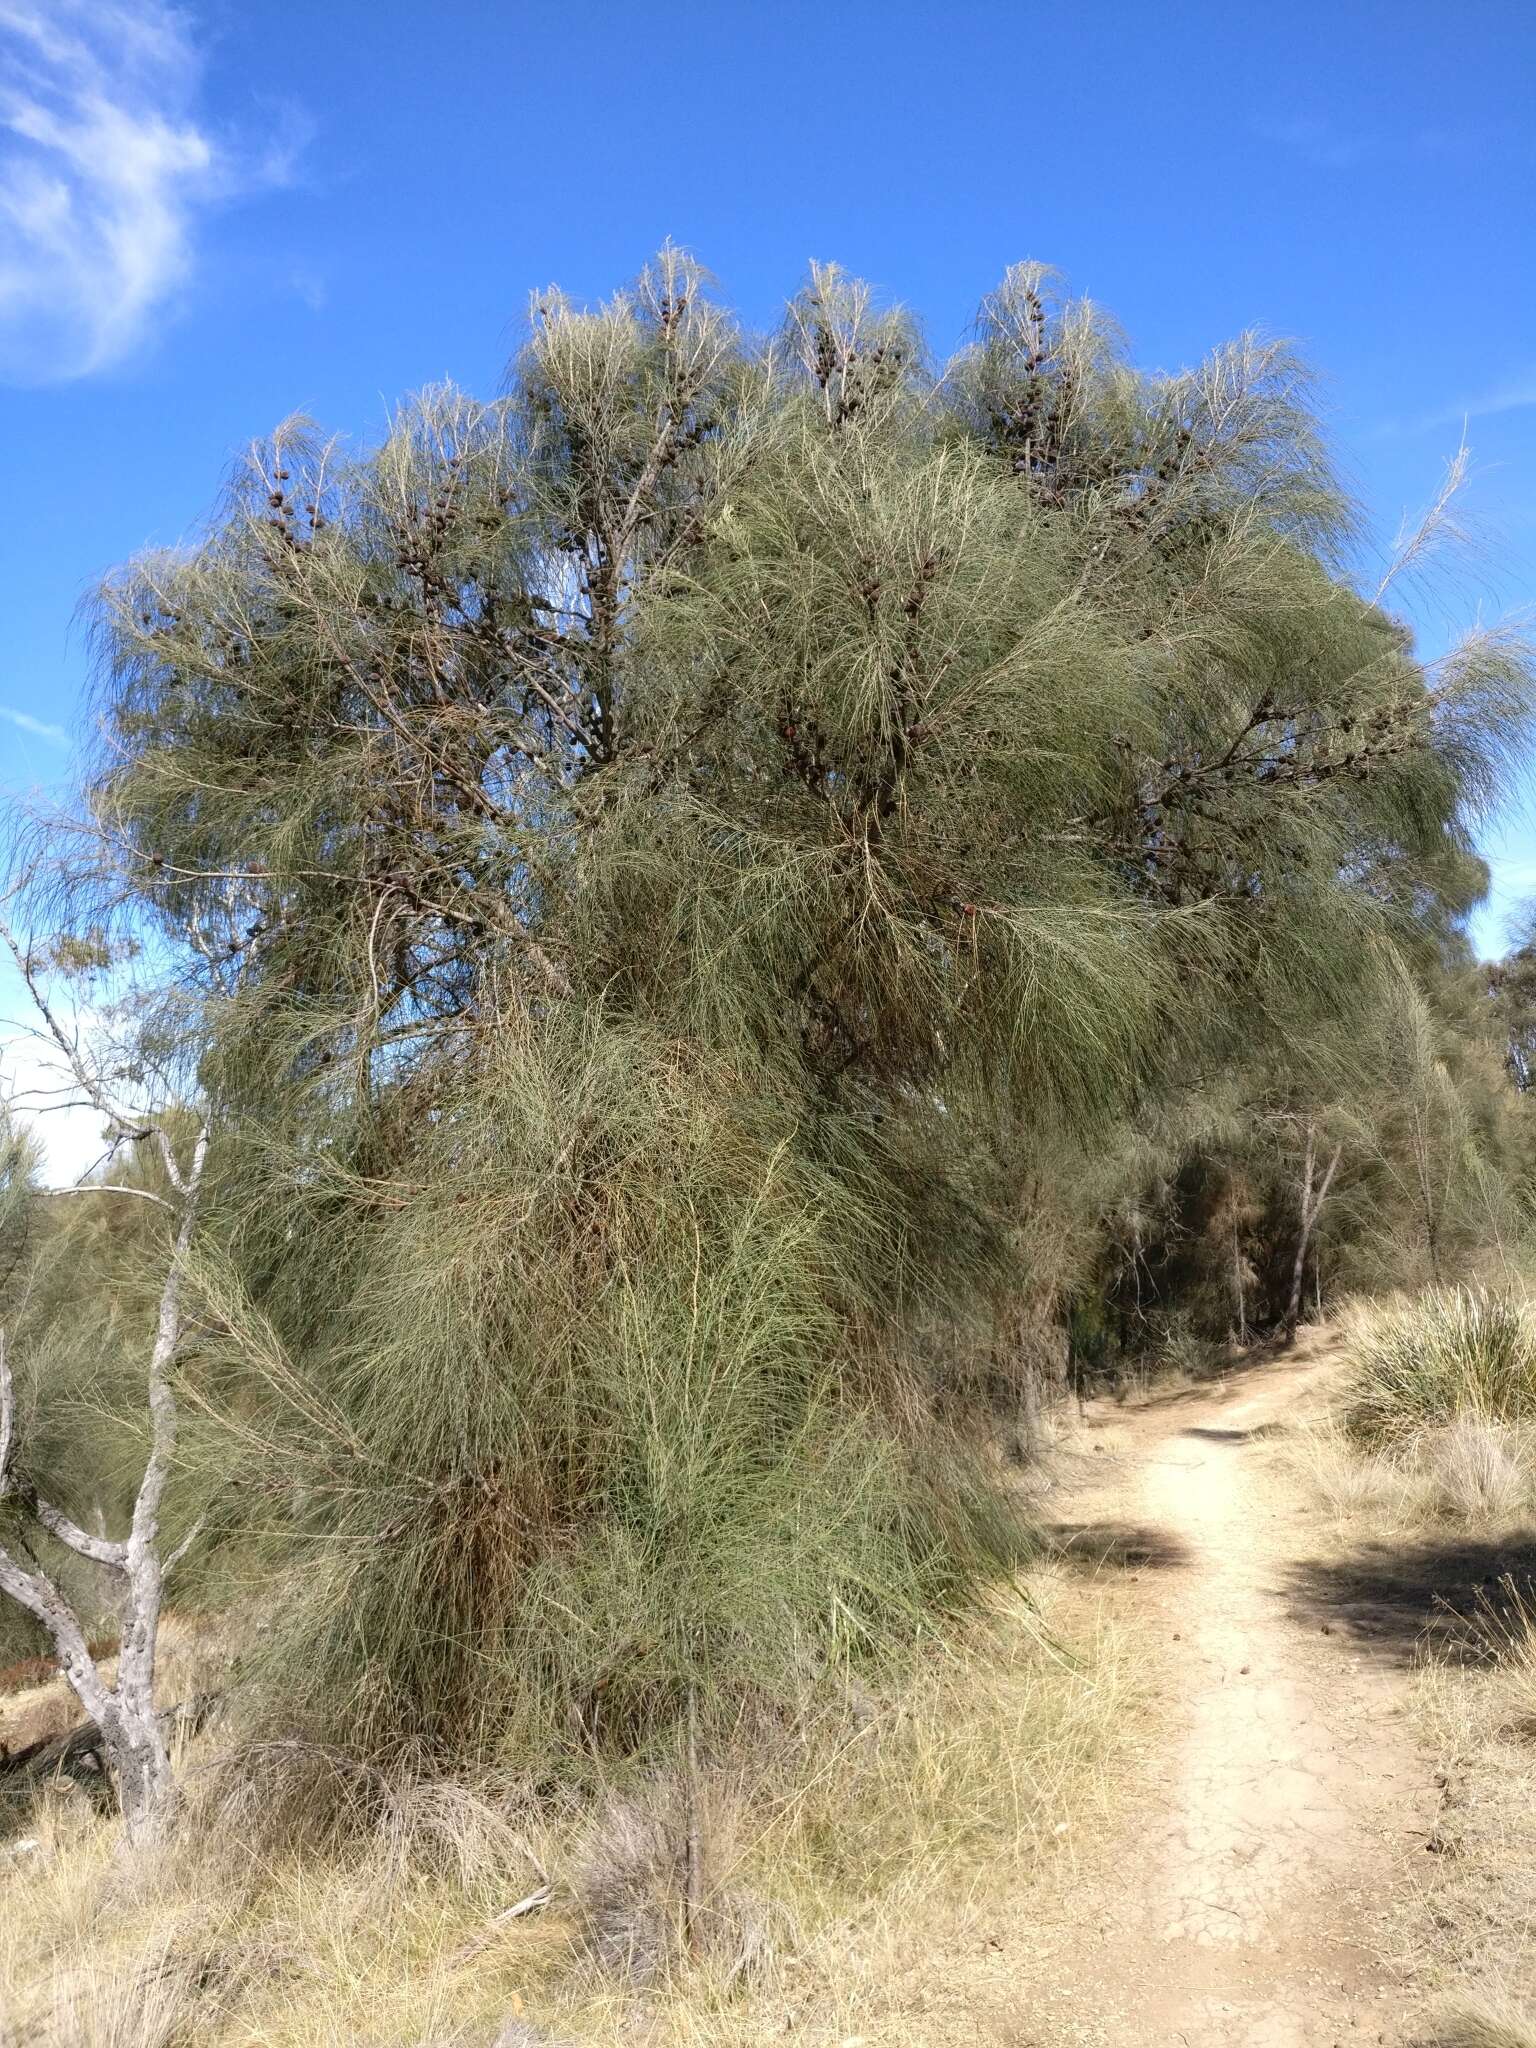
{"x": 1246, "y": 1905}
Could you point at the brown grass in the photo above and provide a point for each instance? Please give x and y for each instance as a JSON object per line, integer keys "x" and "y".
{"x": 1472, "y": 1924}
{"x": 879, "y": 1830}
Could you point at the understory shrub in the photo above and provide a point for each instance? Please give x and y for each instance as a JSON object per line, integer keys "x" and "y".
{"x": 1451, "y": 1352}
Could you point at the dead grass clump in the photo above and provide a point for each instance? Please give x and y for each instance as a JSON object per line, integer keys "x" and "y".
{"x": 654, "y": 1886}
{"x": 1482, "y": 2022}
{"x": 1502, "y": 1630}
{"x": 467, "y": 1836}
{"x": 146, "y": 2002}
{"x": 1352, "y": 1484}
{"x": 1480, "y": 1470}
{"x": 1471, "y": 1471}
{"x": 1479, "y": 1713}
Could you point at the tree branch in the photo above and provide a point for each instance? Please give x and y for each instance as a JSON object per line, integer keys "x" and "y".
{"x": 183, "y": 1546}
{"x": 34, "y": 1590}
{"x": 110, "y": 1188}
{"x": 7, "y": 1416}
{"x": 68, "y": 1046}
{"x": 101, "y": 1549}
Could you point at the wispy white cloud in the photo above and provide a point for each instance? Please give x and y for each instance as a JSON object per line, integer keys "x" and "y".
{"x": 55, "y": 735}
{"x": 1517, "y": 394}
{"x": 309, "y": 286}
{"x": 1513, "y": 394}
{"x": 1323, "y": 143}
{"x": 105, "y": 166}
{"x": 1333, "y": 143}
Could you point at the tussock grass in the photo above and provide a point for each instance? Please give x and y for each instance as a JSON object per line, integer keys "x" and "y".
{"x": 1468, "y": 1472}
{"x": 1483, "y": 2022}
{"x": 1447, "y": 1354}
{"x": 1436, "y": 1416}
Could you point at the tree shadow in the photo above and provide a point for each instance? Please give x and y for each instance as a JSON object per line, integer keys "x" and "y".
{"x": 1237, "y": 1436}
{"x": 1267, "y": 1358}
{"x": 1398, "y": 1600}
{"x": 1128, "y": 1545}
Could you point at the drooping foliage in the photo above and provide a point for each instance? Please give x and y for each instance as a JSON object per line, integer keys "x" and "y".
{"x": 708, "y": 888}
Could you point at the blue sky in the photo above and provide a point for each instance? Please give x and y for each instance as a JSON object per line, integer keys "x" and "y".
{"x": 211, "y": 217}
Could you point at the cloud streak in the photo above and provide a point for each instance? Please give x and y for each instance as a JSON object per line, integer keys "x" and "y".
{"x": 105, "y": 168}
{"x": 55, "y": 735}
{"x": 1517, "y": 395}
{"x": 1514, "y": 394}
{"x": 1331, "y": 143}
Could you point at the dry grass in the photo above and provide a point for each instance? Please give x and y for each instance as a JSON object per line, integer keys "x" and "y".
{"x": 875, "y": 1831}
{"x": 1455, "y": 1457}
{"x": 1470, "y": 1472}
{"x": 1480, "y": 1718}
{"x": 1486, "y": 2021}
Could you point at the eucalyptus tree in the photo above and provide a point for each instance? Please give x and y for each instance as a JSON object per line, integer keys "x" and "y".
{"x": 722, "y": 829}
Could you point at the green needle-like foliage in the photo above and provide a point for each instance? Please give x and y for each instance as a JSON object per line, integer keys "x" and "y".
{"x": 688, "y": 868}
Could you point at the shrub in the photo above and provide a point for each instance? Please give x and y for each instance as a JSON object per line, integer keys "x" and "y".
{"x": 1452, "y": 1352}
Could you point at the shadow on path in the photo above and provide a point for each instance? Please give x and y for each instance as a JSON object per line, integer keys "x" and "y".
{"x": 1131, "y": 1545}
{"x": 1237, "y": 1436}
{"x": 1393, "y": 1599}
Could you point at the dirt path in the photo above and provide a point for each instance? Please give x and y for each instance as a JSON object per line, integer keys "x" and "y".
{"x": 1246, "y": 1908}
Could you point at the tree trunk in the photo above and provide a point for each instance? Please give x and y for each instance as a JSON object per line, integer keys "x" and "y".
{"x": 1029, "y": 1416}
{"x": 132, "y": 1735}
{"x": 1238, "y": 1290}
{"x": 147, "y": 1794}
{"x": 1312, "y": 1200}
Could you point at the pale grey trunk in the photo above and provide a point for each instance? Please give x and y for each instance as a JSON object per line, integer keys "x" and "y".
{"x": 126, "y": 1713}
{"x": 1312, "y": 1199}
{"x": 1238, "y": 1290}
{"x": 140, "y": 1760}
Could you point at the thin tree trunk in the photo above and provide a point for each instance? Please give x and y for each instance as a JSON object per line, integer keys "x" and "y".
{"x": 1237, "y": 1284}
{"x": 1423, "y": 1163}
{"x": 1312, "y": 1200}
{"x": 1029, "y": 1415}
{"x": 132, "y": 1737}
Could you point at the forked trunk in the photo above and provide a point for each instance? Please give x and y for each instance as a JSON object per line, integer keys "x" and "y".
{"x": 1312, "y": 1199}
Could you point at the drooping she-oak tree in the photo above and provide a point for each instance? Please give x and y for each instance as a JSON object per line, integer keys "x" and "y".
{"x": 696, "y": 857}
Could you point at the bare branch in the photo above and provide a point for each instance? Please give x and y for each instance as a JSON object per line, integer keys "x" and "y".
{"x": 99, "y": 1548}
{"x": 31, "y": 1588}
{"x": 1437, "y": 525}
{"x": 111, "y": 1188}
{"x": 7, "y": 1415}
{"x": 183, "y": 1546}
{"x": 70, "y": 1047}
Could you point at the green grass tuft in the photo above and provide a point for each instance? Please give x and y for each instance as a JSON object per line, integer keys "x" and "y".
{"x": 1451, "y": 1353}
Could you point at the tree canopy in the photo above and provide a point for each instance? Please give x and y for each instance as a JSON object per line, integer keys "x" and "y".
{"x": 724, "y": 899}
